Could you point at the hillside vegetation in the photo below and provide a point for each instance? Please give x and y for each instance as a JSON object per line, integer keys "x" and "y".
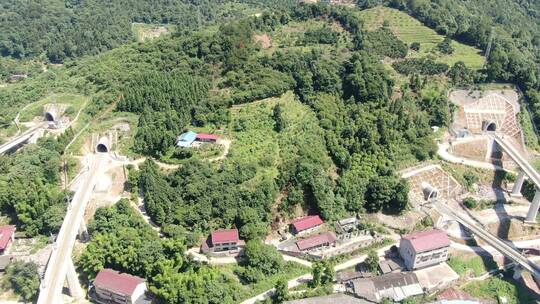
{"x": 308, "y": 95}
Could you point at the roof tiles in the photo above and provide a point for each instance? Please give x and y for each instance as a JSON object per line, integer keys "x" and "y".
{"x": 120, "y": 283}
{"x": 318, "y": 240}
{"x": 225, "y": 236}
{"x": 428, "y": 240}
{"x": 307, "y": 222}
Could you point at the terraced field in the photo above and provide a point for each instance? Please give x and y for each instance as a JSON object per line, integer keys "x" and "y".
{"x": 410, "y": 30}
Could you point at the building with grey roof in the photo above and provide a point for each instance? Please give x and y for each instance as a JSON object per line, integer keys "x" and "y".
{"x": 394, "y": 286}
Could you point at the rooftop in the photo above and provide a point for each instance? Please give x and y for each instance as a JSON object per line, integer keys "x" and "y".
{"x": 307, "y": 222}
{"x": 428, "y": 240}
{"x": 224, "y": 236}
{"x": 185, "y": 139}
{"x": 6, "y": 233}
{"x": 317, "y": 240}
{"x": 396, "y": 286}
{"x": 121, "y": 283}
{"x": 207, "y": 136}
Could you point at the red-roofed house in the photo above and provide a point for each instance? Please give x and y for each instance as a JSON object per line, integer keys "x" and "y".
{"x": 222, "y": 240}
{"x": 204, "y": 137}
{"x": 114, "y": 287}
{"x": 320, "y": 240}
{"x": 7, "y": 236}
{"x": 423, "y": 249}
{"x": 306, "y": 224}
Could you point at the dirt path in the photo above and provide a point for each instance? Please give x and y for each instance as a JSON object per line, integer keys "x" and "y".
{"x": 226, "y": 143}
{"x": 142, "y": 211}
{"x": 165, "y": 166}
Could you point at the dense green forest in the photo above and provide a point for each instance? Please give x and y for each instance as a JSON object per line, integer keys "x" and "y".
{"x": 59, "y": 29}
{"x": 29, "y": 191}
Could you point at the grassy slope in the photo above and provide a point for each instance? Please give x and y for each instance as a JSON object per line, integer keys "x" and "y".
{"x": 74, "y": 102}
{"x": 495, "y": 287}
{"x": 410, "y": 30}
{"x": 291, "y": 271}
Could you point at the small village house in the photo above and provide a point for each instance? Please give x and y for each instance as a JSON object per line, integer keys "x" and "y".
{"x": 113, "y": 287}
{"x": 325, "y": 239}
{"x": 7, "y": 236}
{"x": 306, "y": 224}
{"x": 423, "y": 249}
{"x": 222, "y": 240}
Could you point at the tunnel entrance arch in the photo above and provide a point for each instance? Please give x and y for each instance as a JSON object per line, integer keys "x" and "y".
{"x": 49, "y": 116}
{"x": 490, "y": 126}
{"x": 430, "y": 193}
{"x": 103, "y": 145}
{"x": 101, "y": 148}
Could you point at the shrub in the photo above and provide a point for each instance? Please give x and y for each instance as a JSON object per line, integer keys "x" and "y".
{"x": 23, "y": 278}
{"x": 470, "y": 203}
{"x": 324, "y": 35}
{"x": 415, "y": 46}
{"x": 385, "y": 43}
{"x": 372, "y": 261}
{"x": 445, "y": 46}
{"x": 423, "y": 66}
{"x": 470, "y": 179}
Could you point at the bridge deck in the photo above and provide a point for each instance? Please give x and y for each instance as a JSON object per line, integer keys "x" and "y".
{"x": 504, "y": 248}
{"x": 51, "y": 287}
{"x": 19, "y": 140}
{"x": 518, "y": 158}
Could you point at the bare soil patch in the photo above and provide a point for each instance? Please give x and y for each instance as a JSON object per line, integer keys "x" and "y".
{"x": 264, "y": 40}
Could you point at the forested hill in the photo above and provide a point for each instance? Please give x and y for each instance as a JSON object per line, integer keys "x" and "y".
{"x": 514, "y": 28}
{"x": 61, "y": 29}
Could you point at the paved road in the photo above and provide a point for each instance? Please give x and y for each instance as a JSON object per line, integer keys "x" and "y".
{"x": 444, "y": 154}
{"x": 51, "y": 287}
{"x": 489, "y": 238}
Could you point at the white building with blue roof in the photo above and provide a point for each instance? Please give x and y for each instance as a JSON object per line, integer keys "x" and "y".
{"x": 186, "y": 139}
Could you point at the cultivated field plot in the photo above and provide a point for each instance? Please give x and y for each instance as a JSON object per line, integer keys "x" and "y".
{"x": 143, "y": 31}
{"x": 410, "y": 30}
{"x": 290, "y": 37}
